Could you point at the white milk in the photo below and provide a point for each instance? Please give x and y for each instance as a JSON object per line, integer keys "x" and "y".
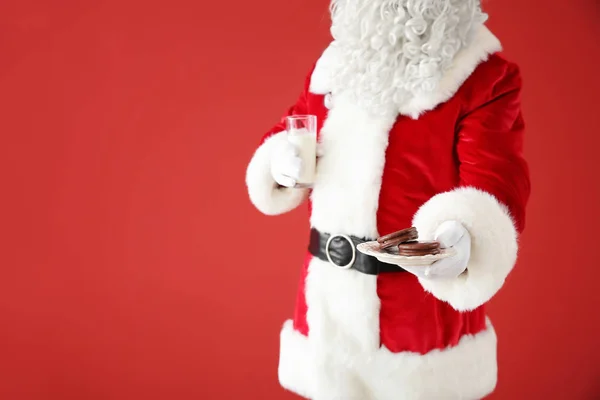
{"x": 306, "y": 143}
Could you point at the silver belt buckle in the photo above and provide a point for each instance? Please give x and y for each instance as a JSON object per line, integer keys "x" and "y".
{"x": 347, "y": 238}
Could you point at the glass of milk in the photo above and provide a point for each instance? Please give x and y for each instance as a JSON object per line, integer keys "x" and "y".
{"x": 302, "y": 132}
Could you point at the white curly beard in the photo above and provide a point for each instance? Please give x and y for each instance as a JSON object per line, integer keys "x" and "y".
{"x": 393, "y": 50}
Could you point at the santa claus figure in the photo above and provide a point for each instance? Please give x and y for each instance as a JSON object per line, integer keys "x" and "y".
{"x": 419, "y": 124}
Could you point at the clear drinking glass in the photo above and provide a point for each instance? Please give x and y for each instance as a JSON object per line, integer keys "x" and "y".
{"x": 302, "y": 132}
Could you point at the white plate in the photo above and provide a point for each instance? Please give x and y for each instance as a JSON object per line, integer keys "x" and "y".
{"x": 391, "y": 256}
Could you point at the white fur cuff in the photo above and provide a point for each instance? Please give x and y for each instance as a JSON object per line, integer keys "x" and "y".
{"x": 265, "y": 194}
{"x": 493, "y": 247}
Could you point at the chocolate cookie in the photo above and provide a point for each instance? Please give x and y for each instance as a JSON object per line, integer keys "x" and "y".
{"x": 396, "y": 238}
{"x": 415, "y": 248}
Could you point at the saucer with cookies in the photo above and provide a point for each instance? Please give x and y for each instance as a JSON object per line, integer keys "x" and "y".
{"x": 403, "y": 248}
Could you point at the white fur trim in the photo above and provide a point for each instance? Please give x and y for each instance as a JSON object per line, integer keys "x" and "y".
{"x": 343, "y": 307}
{"x": 493, "y": 245}
{"x": 346, "y": 191}
{"x": 343, "y": 319}
{"x": 466, "y": 371}
{"x": 295, "y": 362}
{"x": 466, "y": 61}
{"x": 264, "y": 192}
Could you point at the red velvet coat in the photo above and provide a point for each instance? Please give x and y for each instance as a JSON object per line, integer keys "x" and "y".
{"x": 454, "y": 155}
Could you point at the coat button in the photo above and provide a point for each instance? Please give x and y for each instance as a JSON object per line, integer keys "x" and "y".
{"x": 329, "y": 101}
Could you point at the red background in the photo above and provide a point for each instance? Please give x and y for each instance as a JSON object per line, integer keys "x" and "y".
{"x": 126, "y": 129}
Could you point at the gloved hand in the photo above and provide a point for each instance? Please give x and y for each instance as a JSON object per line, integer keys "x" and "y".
{"x": 286, "y": 164}
{"x": 450, "y": 234}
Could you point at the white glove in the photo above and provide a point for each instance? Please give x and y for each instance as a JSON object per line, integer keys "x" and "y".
{"x": 286, "y": 164}
{"x": 450, "y": 234}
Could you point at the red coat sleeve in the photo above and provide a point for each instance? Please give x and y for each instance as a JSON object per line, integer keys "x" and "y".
{"x": 493, "y": 188}
{"x": 490, "y": 142}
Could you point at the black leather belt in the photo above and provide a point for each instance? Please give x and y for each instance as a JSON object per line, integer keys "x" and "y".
{"x": 341, "y": 252}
